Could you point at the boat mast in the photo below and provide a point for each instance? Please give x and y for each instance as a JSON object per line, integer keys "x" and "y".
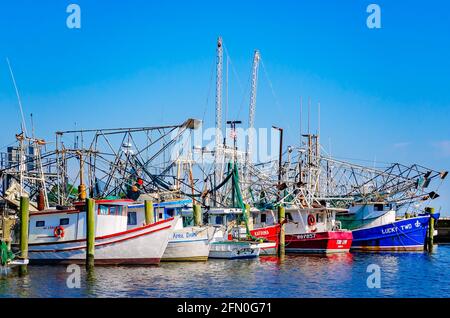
{"x": 252, "y": 110}
{"x": 218, "y": 141}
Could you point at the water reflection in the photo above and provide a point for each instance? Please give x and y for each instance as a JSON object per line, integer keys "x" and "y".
{"x": 334, "y": 275}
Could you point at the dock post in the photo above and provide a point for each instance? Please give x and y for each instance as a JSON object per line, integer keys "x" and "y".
{"x": 430, "y": 232}
{"x": 24, "y": 224}
{"x": 149, "y": 212}
{"x": 197, "y": 215}
{"x": 90, "y": 233}
{"x": 281, "y": 221}
{"x": 248, "y": 216}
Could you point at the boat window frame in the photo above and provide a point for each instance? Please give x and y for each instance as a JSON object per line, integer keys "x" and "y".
{"x": 377, "y": 207}
{"x": 128, "y": 218}
{"x": 119, "y": 210}
{"x": 64, "y": 219}
{"x": 261, "y": 217}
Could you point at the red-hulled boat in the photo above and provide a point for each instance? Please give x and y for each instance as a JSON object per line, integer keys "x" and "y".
{"x": 322, "y": 242}
{"x": 309, "y": 230}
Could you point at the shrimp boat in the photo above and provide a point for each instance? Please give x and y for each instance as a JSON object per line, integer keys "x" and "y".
{"x": 311, "y": 230}
{"x": 59, "y": 235}
{"x": 223, "y": 246}
{"x": 187, "y": 242}
{"x": 376, "y": 228}
{"x": 228, "y": 217}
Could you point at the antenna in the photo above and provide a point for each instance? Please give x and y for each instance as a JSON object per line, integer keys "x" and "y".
{"x": 226, "y": 83}
{"x": 219, "y": 65}
{"x": 24, "y": 128}
{"x": 32, "y": 125}
{"x": 309, "y": 112}
{"x": 318, "y": 120}
{"x": 301, "y": 118}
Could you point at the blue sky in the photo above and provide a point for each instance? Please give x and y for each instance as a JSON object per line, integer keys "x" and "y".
{"x": 384, "y": 94}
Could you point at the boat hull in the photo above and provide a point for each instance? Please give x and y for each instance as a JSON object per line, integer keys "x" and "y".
{"x": 321, "y": 242}
{"x": 233, "y": 250}
{"x": 188, "y": 244}
{"x": 403, "y": 235}
{"x": 271, "y": 234}
{"x": 140, "y": 246}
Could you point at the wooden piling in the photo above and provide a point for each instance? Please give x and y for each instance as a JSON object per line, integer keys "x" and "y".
{"x": 90, "y": 233}
{"x": 24, "y": 224}
{"x": 197, "y": 215}
{"x": 248, "y": 216}
{"x": 430, "y": 232}
{"x": 149, "y": 212}
{"x": 281, "y": 220}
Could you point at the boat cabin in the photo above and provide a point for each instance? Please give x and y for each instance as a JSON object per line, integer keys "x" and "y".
{"x": 362, "y": 215}
{"x": 302, "y": 220}
{"x": 70, "y": 223}
{"x": 162, "y": 211}
{"x": 223, "y": 216}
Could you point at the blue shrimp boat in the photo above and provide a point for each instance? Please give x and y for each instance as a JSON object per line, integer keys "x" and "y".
{"x": 376, "y": 228}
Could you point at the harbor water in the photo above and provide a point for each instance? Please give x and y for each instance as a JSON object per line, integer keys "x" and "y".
{"x": 346, "y": 275}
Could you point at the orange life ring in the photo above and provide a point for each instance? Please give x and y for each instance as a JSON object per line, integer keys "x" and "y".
{"x": 59, "y": 231}
{"x": 311, "y": 220}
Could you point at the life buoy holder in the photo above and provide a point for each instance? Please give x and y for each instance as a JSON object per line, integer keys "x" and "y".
{"x": 311, "y": 220}
{"x": 59, "y": 231}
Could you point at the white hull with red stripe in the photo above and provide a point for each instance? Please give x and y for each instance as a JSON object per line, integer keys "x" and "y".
{"x": 114, "y": 243}
{"x": 144, "y": 245}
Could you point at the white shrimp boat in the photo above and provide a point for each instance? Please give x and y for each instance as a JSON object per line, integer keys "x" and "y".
{"x": 226, "y": 217}
{"x": 59, "y": 236}
{"x": 187, "y": 242}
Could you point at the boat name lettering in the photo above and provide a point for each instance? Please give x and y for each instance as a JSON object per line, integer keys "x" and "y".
{"x": 263, "y": 232}
{"x": 389, "y": 230}
{"x": 184, "y": 235}
{"x": 397, "y": 228}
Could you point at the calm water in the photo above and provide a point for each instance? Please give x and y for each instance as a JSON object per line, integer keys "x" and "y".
{"x": 402, "y": 275}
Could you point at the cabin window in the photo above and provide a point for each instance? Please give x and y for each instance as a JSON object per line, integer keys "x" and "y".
{"x": 161, "y": 216}
{"x": 289, "y": 217}
{"x": 219, "y": 219}
{"x": 188, "y": 221}
{"x": 115, "y": 210}
{"x": 110, "y": 210}
{"x": 64, "y": 221}
{"x": 263, "y": 218}
{"x": 132, "y": 218}
{"x": 103, "y": 210}
{"x": 40, "y": 223}
{"x": 319, "y": 218}
{"x": 378, "y": 207}
{"x": 170, "y": 212}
